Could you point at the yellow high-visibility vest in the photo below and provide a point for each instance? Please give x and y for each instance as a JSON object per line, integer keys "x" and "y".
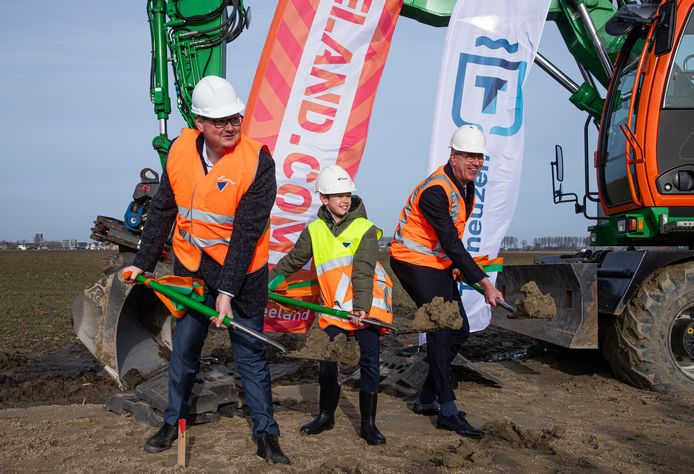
{"x": 333, "y": 258}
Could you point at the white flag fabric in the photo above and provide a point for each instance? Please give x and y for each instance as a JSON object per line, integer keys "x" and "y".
{"x": 489, "y": 48}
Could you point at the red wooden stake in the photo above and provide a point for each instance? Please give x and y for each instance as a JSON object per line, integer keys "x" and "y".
{"x": 182, "y": 442}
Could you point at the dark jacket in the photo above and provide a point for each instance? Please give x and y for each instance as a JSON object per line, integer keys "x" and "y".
{"x": 434, "y": 206}
{"x": 253, "y": 212}
{"x": 365, "y": 257}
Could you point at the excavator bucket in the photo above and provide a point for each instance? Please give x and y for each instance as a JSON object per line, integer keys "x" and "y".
{"x": 569, "y": 318}
{"x": 125, "y": 326}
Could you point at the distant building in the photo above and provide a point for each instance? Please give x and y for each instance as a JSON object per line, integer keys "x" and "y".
{"x": 69, "y": 244}
{"x": 38, "y": 239}
{"x": 22, "y": 247}
{"x": 101, "y": 246}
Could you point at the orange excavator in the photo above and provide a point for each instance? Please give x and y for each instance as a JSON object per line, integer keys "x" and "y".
{"x": 632, "y": 295}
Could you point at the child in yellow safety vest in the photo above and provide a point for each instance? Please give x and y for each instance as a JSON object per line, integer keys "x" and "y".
{"x": 344, "y": 248}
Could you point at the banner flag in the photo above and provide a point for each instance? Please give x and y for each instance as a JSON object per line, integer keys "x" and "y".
{"x": 488, "y": 51}
{"x": 310, "y": 103}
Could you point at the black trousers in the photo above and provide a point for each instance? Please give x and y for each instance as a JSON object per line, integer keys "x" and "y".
{"x": 369, "y": 363}
{"x": 423, "y": 284}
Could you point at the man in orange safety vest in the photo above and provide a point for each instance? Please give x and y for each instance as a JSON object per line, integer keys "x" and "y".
{"x": 218, "y": 188}
{"x": 428, "y": 255}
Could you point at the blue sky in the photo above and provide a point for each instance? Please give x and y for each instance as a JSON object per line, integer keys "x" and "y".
{"x": 77, "y": 122}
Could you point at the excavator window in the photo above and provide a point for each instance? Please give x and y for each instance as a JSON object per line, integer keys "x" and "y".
{"x": 675, "y": 146}
{"x": 615, "y": 171}
{"x": 680, "y": 85}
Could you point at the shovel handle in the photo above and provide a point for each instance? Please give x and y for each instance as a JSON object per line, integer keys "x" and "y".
{"x": 380, "y": 324}
{"x": 500, "y": 301}
{"x": 506, "y": 305}
{"x": 206, "y": 311}
{"x": 329, "y": 311}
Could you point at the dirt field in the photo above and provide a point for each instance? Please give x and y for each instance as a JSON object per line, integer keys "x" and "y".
{"x": 557, "y": 411}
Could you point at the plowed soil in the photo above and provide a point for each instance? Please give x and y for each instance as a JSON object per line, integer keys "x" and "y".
{"x": 556, "y": 411}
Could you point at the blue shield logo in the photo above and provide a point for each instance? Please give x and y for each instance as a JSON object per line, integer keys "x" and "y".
{"x": 484, "y": 82}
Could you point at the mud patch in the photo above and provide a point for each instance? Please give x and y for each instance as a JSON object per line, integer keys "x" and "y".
{"x": 67, "y": 362}
{"x": 59, "y": 390}
{"x": 10, "y": 360}
{"x": 437, "y": 315}
{"x": 67, "y": 375}
{"x": 133, "y": 378}
{"x": 341, "y": 465}
{"x": 519, "y": 437}
{"x": 466, "y": 455}
{"x": 320, "y": 347}
{"x": 535, "y": 304}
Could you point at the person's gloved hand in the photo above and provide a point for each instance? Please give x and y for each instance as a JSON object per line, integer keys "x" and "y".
{"x": 278, "y": 284}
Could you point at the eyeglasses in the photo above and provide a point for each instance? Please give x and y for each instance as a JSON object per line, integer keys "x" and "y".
{"x": 471, "y": 158}
{"x": 234, "y": 120}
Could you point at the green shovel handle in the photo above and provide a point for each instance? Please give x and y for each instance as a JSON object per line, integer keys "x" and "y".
{"x": 205, "y": 310}
{"x": 330, "y": 311}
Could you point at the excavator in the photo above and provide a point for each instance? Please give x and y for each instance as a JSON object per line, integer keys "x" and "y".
{"x": 631, "y": 295}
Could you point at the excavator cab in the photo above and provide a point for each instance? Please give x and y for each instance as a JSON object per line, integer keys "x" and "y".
{"x": 645, "y": 154}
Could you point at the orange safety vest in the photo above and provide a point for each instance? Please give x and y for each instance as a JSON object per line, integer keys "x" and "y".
{"x": 415, "y": 240}
{"x": 333, "y": 257}
{"x": 207, "y": 203}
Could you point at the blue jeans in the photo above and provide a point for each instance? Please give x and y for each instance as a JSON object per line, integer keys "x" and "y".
{"x": 252, "y": 366}
{"x": 369, "y": 363}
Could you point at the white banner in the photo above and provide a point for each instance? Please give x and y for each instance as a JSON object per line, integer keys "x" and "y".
{"x": 488, "y": 52}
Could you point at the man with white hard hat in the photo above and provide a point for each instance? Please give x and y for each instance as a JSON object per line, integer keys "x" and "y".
{"x": 428, "y": 255}
{"x": 218, "y": 188}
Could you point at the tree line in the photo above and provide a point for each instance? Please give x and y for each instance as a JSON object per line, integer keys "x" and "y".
{"x": 544, "y": 243}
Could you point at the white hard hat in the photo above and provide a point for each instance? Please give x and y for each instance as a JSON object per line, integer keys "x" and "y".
{"x": 334, "y": 180}
{"x": 469, "y": 139}
{"x": 214, "y": 97}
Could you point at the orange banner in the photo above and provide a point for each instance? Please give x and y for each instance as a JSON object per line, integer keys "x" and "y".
{"x": 310, "y": 104}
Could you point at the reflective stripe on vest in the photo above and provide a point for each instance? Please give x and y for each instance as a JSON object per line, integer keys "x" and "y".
{"x": 382, "y": 280}
{"x": 334, "y": 263}
{"x": 203, "y": 243}
{"x": 427, "y": 251}
{"x": 209, "y": 217}
{"x": 207, "y": 204}
{"x": 333, "y": 258}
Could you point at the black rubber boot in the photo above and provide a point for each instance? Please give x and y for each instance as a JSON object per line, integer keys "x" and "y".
{"x": 269, "y": 450}
{"x": 327, "y": 401}
{"x": 162, "y": 439}
{"x": 367, "y": 407}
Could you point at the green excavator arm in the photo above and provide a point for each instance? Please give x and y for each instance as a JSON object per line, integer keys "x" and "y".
{"x": 192, "y": 35}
